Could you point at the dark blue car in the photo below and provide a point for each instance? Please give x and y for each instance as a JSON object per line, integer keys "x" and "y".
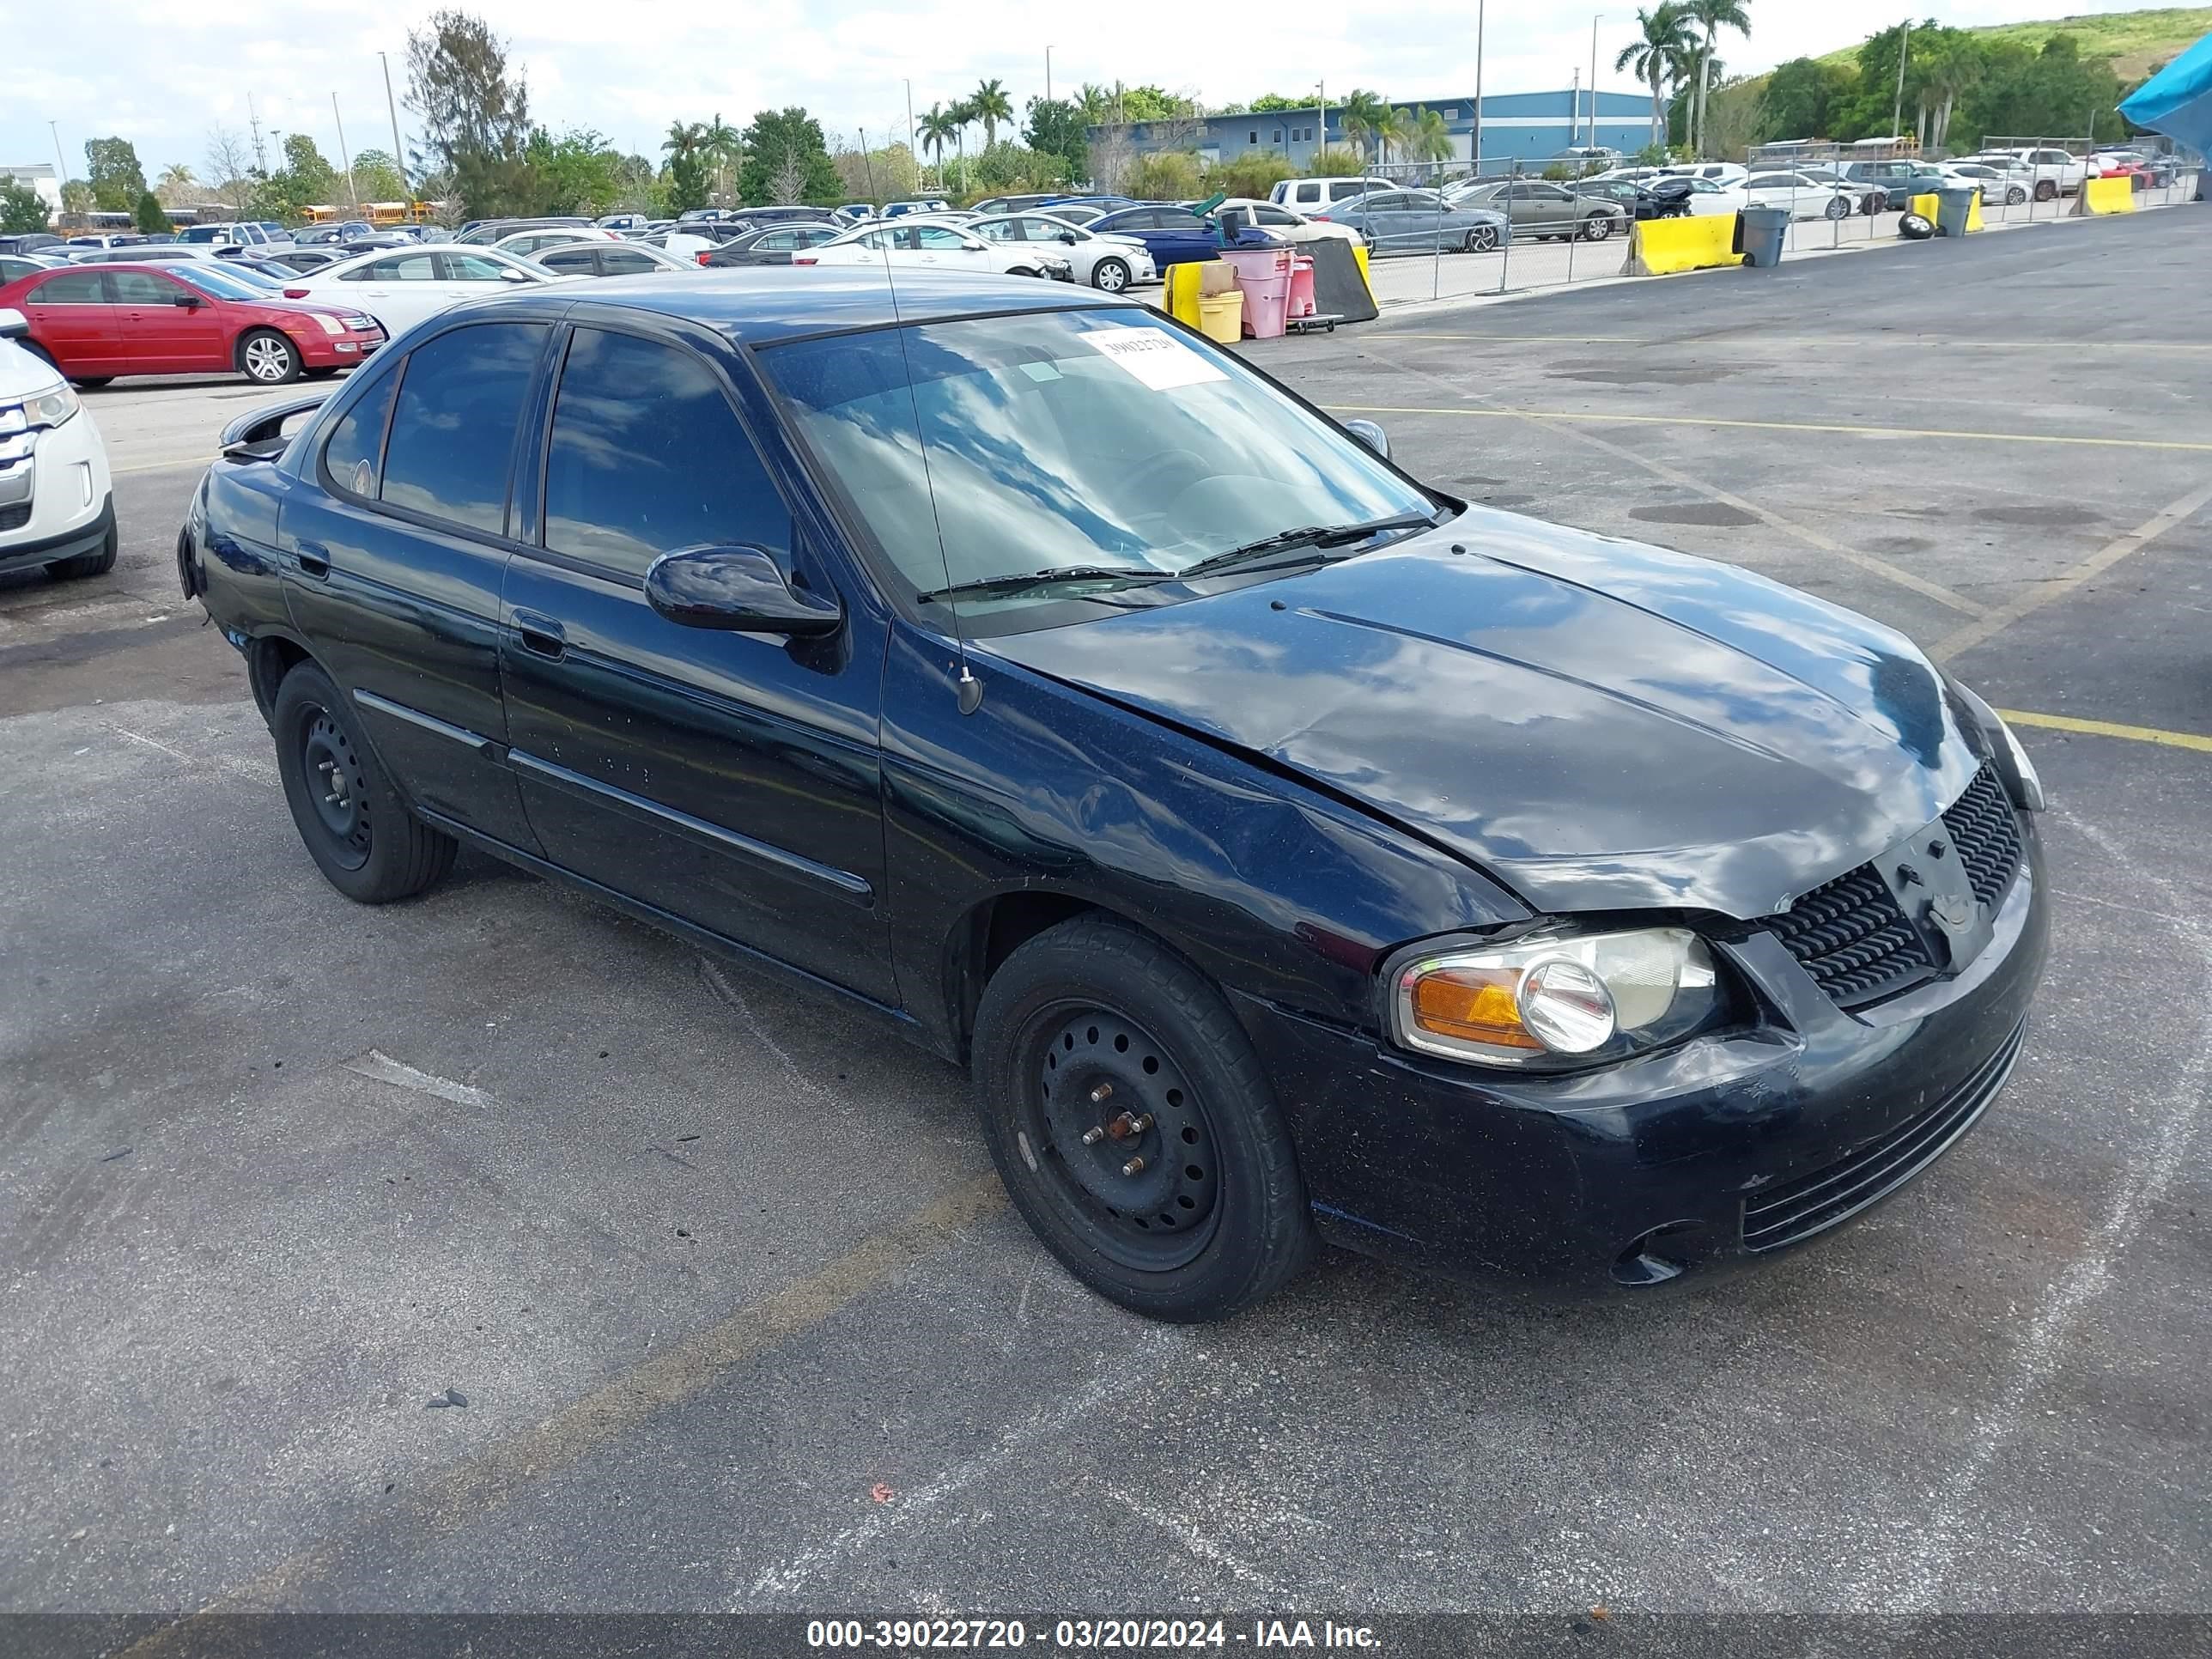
{"x": 1292, "y": 851}
{"x": 1174, "y": 235}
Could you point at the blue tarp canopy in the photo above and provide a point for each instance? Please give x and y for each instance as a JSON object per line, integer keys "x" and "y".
{"x": 2178, "y": 99}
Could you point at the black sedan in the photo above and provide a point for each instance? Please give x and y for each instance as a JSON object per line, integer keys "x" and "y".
{"x": 772, "y": 244}
{"x": 1292, "y": 851}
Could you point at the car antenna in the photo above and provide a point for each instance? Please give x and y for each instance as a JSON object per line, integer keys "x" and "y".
{"x": 968, "y": 689}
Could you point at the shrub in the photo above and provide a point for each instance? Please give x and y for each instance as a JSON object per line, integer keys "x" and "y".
{"x": 1336, "y": 161}
{"x": 149, "y": 218}
{"x": 1654, "y": 155}
{"x": 1165, "y": 176}
{"x": 1253, "y": 175}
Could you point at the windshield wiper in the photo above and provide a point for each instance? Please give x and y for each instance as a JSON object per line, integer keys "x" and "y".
{"x": 1312, "y": 535}
{"x": 1012, "y": 583}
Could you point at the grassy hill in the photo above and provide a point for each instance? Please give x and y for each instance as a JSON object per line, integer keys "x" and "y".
{"x": 2134, "y": 41}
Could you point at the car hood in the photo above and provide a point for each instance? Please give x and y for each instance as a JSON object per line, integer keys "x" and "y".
{"x": 1598, "y": 723}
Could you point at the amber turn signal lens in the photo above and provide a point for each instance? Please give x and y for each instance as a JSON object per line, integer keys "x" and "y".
{"x": 1474, "y": 1004}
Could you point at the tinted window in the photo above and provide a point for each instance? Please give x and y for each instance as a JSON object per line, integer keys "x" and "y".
{"x": 80, "y": 287}
{"x": 400, "y": 268}
{"x": 141, "y": 288}
{"x": 568, "y": 258}
{"x": 625, "y": 261}
{"x": 471, "y": 268}
{"x": 937, "y": 236}
{"x": 646, "y": 457}
{"x": 452, "y": 434}
{"x": 351, "y": 458}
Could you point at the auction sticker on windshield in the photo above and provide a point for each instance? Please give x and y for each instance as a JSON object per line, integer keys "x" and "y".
{"x": 1154, "y": 356}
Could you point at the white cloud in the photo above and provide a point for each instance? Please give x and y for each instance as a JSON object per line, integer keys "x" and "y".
{"x": 162, "y": 76}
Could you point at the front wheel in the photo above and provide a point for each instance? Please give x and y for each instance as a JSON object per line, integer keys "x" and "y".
{"x": 1483, "y": 239}
{"x": 1111, "y": 275}
{"x": 2045, "y": 189}
{"x": 2016, "y": 196}
{"x": 1131, "y": 1121}
{"x": 268, "y": 358}
{"x": 359, "y": 832}
{"x": 98, "y": 562}
{"x": 1597, "y": 228}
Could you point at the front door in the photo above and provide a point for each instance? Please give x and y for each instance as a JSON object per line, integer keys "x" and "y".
{"x": 731, "y": 780}
{"x": 72, "y": 318}
{"x": 163, "y": 322}
{"x": 392, "y": 569}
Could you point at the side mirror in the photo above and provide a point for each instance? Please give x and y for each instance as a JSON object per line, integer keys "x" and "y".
{"x": 14, "y": 326}
{"x": 509, "y": 274}
{"x": 739, "y": 590}
{"x": 1068, "y": 237}
{"x": 189, "y": 301}
{"x": 1370, "y": 434}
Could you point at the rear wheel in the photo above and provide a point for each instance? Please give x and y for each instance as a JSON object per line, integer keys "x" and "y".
{"x": 1110, "y": 275}
{"x": 359, "y": 832}
{"x": 1134, "y": 1126}
{"x": 89, "y": 382}
{"x": 2046, "y": 190}
{"x": 98, "y": 562}
{"x": 267, "y": 358}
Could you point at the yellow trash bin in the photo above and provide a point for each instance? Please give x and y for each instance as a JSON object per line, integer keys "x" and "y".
{"x": 1221, "y": 316}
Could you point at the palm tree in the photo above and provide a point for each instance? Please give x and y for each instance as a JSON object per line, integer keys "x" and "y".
{"x": 1711, "y": 16}
{"x": 936, "y": 128}
{"x": 685, "y": 140}
{"x": 1430, "y": 140}
{"x": 1399, "y": 131}
{"x": 963, "y": 116}
{"x": 1363, "y": 119}
{"x": 989, "y": 104}
{"x": 1659, "y": 57}
{"x": 176, "y": 175}
{"x": 721, "y": 145}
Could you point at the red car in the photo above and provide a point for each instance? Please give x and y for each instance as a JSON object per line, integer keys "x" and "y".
{"x": 96, "y": 322}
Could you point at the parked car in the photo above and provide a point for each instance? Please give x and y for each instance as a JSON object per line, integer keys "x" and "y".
{"x": 401, "y": 288}
{"x": 1679, "y": 196}
{"x": 2000, "y": 186}
{"x": 623, "y": 222}
{"x": 1624, "y": 193}
{"x": 30, "y": 241}
{"x": 190, "y": 317}
{"x": 1614, "y": 175}
{"x": 243, "y": 234}
{"x": 1172, "y": 236}
{"x": 13, "y": 266}
{"x": 56, "y": 501}
{"x": 141, "y": 253}
{"x": 919, "y": 204}
{"x": 1308, "y": 195}
{"x": 106, "y": 239}
{"x": 1419, "y": 220}
{"x": 1717, "y": 172}
{"x": 948, "y": 247}
{"x": 1291, "y": 851}
{"x": 1542, "y": 210}
{"x": 996, "y": 204}
{"x": 768, "y": 245}
{"x": 485, "y": 232}
{"x": 1594, "y": 156}
{"x": 1107, "y": 263}
{"x": 326, "y": 235}
{"x": 1238, "y": 213}
{"x": 1866, "y": 199}
{"x": 524, "y": 243}
{"x": 738, "y": 221}
{"x": 857, "y": 211}
{"x": 607, "y": 259}
{"x": 2051, "y": 173}
{"x": 1801, "y": 196}
{"x": 301, "y": 258}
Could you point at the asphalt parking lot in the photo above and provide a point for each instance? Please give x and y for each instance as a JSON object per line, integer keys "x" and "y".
{"x": 739, "y": 1317}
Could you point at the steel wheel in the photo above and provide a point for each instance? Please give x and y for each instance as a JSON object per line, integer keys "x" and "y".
{"x": 268, "y": 358}
{"x": 337, "y": 784}
{"x": 1121, "y": 1132}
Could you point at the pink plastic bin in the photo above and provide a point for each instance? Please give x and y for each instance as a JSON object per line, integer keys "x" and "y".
{"x": 1302, "y": 289}
{"x": 1264, "y": 275}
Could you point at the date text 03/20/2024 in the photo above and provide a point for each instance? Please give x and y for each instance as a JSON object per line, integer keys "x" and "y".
{"x": 906, "y": 1635}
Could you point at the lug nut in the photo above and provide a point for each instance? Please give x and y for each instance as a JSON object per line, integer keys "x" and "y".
{"x": 1102, "y": 1094}
{"x": 1140, "y": 1123}
{"x": 1093, "y": 1135}
{"x": 1134, "y": 1166}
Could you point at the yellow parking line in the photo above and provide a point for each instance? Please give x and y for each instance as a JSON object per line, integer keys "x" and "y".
{"x": 2111, "y": 729}
{"x": 1574, "y": 417}
{"x": 163, "y": 466}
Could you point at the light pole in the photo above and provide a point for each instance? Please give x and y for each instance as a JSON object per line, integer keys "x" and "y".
{"x": 398, "y": 155}
{"x": 910, "y": 149}
{"x": 1048, "y": 74}
{"x": 61, "y": 183}
{"x": 1897, "y": 108}
{"x": 1594, "y": 19}
{"x": 353, "y": 197}
{"x": 1475, "y": 144}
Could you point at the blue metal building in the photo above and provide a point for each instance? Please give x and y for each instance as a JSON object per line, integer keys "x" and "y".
{"x": 1522, "y": 126}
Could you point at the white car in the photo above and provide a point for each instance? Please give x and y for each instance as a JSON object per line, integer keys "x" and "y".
{"x": 929, "y": 245}
{"x": 2050, "y": 172}
{"x": 524, "y": 243}
{"x": 1804, "y": 196}
{"x": 1288, "y": 223}
{"x": 57, "y": 503}
{"x": 623, "y": 258}
{"x": 1107, "y": 263}
{"x": 1303, "y": 195}
{"x": 1719, "y": 172}
{"x": 1706, "y": 198}
{"x": 400, "y": 287}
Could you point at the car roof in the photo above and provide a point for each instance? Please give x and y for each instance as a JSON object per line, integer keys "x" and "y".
{"x": 762, "y": 305}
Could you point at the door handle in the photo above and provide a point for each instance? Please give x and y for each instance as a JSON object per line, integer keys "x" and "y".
{"x": 314, "y": 560}
{"x": 541, "y": 634}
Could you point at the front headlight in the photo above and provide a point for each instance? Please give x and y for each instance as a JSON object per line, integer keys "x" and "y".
{"x": 2029, "y": 780}
{"x": 331, "y": 325}
{"x": 1565, "y": 997}
{"x": 2022, "y": 780}
{"x": 41, "y": 409}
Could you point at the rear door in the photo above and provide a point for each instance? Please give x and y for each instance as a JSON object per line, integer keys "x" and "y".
{"x": 731, "y": 780}
{"x": 72, "y": 318}
{"x": 392, "y": 568}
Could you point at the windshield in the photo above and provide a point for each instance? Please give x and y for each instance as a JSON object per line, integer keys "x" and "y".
{"x": 223, "y": 284}
{"x": 205, "y": 233}
{"x": 1103, "y": 439}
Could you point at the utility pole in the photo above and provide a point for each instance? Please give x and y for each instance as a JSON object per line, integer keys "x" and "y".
{"x": 260, "y": 162}
{"x": 1574, "y": 103}
{"x": 1593, "y": 129}
{"x": 1897, "y": 107}
{"x": 352, "y": 196}
{"x": 910, "y": 149}
{"x": 55, "y": 127}
{"x": 398, "y": 154}
{"x": 1475, "y": 145}
{"x": 1048, "y": 74}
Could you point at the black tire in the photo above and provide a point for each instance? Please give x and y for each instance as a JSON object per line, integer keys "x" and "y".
{"x": 1839, "y": 207}
{"x": 267, "y": 358}
{"x": 1483, "y": 239}
{"x": 98, "y": 562}
{"x": 366, "y": 842}
{"x": 2016, "y": 196}
{"x": 1111, "y": 275}
{"x": 322, "y": 374}
{"x": 2046, "y": 190}
{"x": 88, "y": 382}
{"x": 1217, "y": 1220}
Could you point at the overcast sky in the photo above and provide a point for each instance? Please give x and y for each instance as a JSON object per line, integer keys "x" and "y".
{"x": 161, "y": 74}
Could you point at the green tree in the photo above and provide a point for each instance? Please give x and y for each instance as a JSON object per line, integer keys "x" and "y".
{"x": 784, "y": 147}
{"x": 1365, "y": 116}
{"x": 309, "y": 179}
{"x": 1399, "y": 127}
{"x": 1660, "y": 56}
{"x": 1054, "y": 127}
{"x": 989, "y": 105}
{"x": 76, "y": 199}
{"x": 149, "y": 218}
{"x": 722, "y": 147}
{"x": 376, "y": 177}
{"x": 937, "y": 129}
{"x": 21, "y": 207}
{"x": 111, "y": 168}
{"x": 578, "y": 173}
{"x": 1269, "y": 102}
{"x": 1429, "y": 138}
{"x": 476, "y": 116}
{"x": 962, "y": 115}
{"x": 175, "y": 176}
{"x": 1146, "y": 104}
{"x": 1710, "y": 17}
{"x": 1808, "y": 99}
{"x": 685, "y": 148}
{"x": 1163, "y": 175}
{"x": 1336, "y": 161}
{"x": 1252, "y": 174}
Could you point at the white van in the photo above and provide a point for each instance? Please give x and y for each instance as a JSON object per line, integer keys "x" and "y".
{"x": 1307, "y": 194}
